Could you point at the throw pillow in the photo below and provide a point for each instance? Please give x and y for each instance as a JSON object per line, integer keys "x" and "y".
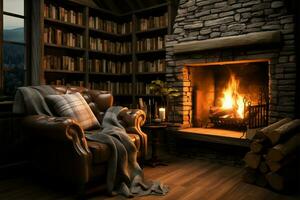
{"x": 73, "y": 105}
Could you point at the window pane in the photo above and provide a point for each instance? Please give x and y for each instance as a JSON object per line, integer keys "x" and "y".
{"x": 14, "y": 6}
{"x": 13, "y": 67}
{"x": 13, "y": 29}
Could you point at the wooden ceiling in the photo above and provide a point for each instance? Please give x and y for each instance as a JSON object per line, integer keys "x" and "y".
{"x": 125, "y": 6}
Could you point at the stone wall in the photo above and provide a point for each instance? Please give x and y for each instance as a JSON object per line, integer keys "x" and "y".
{"x": 207, "y": 19}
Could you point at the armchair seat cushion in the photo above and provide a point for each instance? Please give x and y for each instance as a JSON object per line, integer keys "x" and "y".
{"x": 101, "y": 152}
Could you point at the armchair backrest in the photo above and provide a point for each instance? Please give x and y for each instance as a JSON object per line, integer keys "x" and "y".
{"x": 98, "y": 100}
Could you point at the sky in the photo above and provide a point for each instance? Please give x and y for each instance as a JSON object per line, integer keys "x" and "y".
{"x": 13, "y": 6}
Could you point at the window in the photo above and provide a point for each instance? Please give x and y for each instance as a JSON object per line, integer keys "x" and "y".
{"x": 13, "y": 51}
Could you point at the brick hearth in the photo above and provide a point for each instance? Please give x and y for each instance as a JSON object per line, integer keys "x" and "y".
{"x": 204, "y": 20}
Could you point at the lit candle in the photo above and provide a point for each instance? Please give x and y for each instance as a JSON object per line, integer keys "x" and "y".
{"x": 162, "y": 114}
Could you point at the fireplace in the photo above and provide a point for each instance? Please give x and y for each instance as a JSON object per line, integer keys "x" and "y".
{"x": 213, "y": 40}
{"x": 230, "y": 96}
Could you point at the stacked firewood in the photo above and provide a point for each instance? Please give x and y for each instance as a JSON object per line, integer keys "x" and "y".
{"x": 272, "y": 159}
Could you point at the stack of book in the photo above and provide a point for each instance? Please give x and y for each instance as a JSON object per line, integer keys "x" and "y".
{"x": 151, "y": 66}
{"x": 150, "y": 44}
{"x": 68, "y": 83}
{"x": 62, "y": 14}
{"x": 143, "y": 88}
{"x": 108, "y": 46}
{"x": 58, "y": 37}
{"x": 96, "y": 22}
{"x": 116, "y": 88}
{"x": 109, "y": 66}
{"x": 68, "y": 63}
{"x": 145, "y": 24}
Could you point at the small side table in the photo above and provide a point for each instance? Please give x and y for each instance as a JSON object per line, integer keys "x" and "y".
{"x": 155, "y": 129}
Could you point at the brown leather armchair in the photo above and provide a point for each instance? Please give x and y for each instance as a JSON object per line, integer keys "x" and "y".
{"x": 58, "y": 144}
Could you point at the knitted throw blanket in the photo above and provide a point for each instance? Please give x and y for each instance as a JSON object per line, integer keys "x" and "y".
{"x": 124, "y": 174}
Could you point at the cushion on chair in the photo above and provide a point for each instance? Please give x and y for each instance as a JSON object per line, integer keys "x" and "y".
{"x": 73, "y": 105}
{"x": 100, "y": 152}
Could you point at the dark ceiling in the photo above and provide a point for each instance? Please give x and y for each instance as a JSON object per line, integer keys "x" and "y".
{"x": 125, "y": 6}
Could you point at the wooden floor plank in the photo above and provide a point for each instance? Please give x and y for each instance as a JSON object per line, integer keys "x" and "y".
{"x": 188, "y": 179}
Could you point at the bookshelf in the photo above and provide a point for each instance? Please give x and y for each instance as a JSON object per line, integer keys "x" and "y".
{"x": 91, "y": 47}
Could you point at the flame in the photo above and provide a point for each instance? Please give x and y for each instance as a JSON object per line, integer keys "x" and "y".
{"x": 232, "y": 99}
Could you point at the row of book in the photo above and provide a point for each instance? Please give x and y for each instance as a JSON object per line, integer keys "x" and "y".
{"x": 59, "y": 37}
{"x": 116, "y": 88}
{"x": 68, "y": 63}
{"x": 148, "y": 44}
{"x": 143, "y": 88}
{"x": 109, "y": 66}
{"x": 151, "y": 66}
{"x": 108, "y": 46}
{"x": 145, "y": 24}
{"x": 109, "y": 26}
{"x": 66, "y": 82}
{"x": 63, "y": 14}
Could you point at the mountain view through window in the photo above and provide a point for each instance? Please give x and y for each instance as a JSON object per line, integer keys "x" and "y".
{"x": 13, "y": 68}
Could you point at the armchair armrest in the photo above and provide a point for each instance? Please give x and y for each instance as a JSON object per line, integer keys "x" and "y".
{"x": 133, "y": 119}
{"x": 57, "y": 128}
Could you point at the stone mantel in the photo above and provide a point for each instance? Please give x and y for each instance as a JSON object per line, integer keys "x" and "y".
{"x": 258, "y": 38}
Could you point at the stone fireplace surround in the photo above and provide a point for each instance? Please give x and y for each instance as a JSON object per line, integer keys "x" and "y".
{"x": 208, "y": 32}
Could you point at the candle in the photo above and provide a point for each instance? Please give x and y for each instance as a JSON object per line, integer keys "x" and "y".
{"x": 162, "y": 114}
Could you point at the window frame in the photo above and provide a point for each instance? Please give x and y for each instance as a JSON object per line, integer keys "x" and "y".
{"x": 26, "y": 42}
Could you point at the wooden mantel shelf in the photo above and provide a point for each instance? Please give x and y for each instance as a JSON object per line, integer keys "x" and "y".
{"x": 259, "y": 38}
{"x": 214, "y": 135}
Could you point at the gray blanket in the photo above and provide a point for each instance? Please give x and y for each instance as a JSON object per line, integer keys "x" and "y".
{"x": 124, "y": 174}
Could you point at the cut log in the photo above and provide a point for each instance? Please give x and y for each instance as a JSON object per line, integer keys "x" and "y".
{"x": 261, "y": 180}
{"x": 276, "y": 166}
{"x": 252, "y": 160}
{"x": 250, "y": 175}
{"x": 219, "y": 112}
{"x": 283, "y": 131}
{"x": 280, "y": 151}
{"x": 263, "y": 167}
{"x": 285, "y": 179}
{"x": 273, "y": 126}
{"x": 259, "y": 145}
{"x": 276, "y": 181}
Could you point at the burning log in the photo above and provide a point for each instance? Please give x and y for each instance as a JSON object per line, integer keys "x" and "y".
{"x": 280, "y": 151}
{"x": 220, "y": 112}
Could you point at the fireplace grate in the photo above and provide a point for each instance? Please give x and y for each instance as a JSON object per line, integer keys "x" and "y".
{"x": 257, "y": 116}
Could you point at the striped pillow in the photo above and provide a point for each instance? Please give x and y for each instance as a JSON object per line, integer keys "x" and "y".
{"x": 74, "y": 106}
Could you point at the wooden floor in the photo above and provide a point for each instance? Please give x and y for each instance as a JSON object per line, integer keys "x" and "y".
{"x": 188, "y": 179}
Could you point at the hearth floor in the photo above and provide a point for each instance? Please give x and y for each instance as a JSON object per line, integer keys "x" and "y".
{"x": 214, "y": 135}
{"x": 215, "y": 132}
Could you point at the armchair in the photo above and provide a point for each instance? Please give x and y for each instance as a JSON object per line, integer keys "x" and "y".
{"x": 58, "y": 144}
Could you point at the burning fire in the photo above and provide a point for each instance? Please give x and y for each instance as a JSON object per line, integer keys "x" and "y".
{"x": 232, "y": 99}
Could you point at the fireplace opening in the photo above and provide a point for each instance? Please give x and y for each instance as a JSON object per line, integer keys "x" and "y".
{"x": 230, "y": 96}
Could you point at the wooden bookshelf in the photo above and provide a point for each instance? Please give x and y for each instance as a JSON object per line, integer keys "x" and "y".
{"x": 116, "y": 52}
